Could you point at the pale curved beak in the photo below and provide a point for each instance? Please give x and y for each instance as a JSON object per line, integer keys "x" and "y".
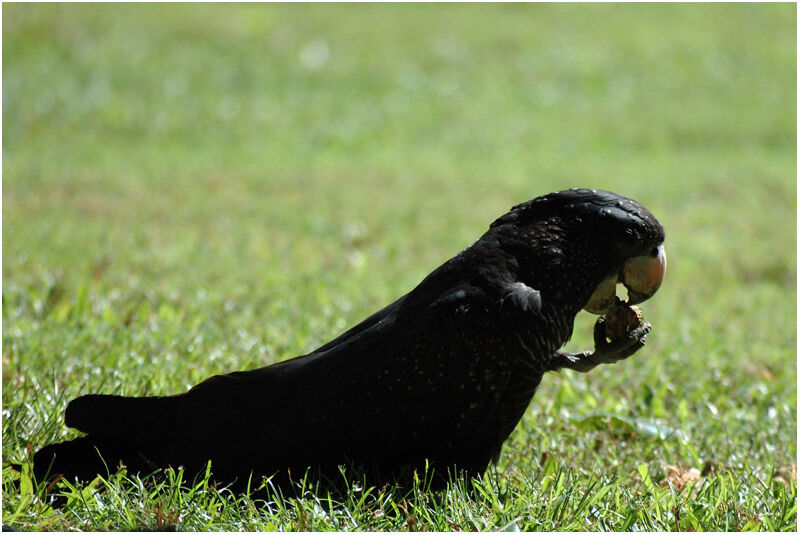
{"x": 642, "y": 276}
{"x": 604, "y": 296}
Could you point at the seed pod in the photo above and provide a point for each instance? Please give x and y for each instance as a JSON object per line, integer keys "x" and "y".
{"x": 621, "y": 320}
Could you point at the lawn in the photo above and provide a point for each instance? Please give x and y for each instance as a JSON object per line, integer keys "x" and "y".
{"x": 196, "y": 189}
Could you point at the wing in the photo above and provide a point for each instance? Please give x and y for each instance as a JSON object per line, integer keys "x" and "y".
{"x": 410, "y": 382}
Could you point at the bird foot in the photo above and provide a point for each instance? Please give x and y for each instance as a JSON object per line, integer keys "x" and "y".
{"x": 608, "y": 351}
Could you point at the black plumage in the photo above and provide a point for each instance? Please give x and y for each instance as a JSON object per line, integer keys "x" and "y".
{"x": 442, "y": 375}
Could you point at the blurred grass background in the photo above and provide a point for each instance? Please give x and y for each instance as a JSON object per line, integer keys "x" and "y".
{"x": 194, "y": 189}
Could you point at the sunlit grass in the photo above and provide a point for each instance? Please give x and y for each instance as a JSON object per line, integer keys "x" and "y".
{"x": 191, "y": 190}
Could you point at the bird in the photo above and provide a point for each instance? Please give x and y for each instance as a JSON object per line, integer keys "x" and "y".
{"x": 435, "y": 381}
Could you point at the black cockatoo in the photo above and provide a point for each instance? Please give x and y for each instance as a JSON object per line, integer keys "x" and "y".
{"x": 439, "y": 377}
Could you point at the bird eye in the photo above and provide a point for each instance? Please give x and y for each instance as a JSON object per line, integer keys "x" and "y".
{"x": 654, "y": 252}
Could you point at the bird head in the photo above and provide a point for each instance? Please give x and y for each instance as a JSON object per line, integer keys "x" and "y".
{"x": 607, "y": 239}
{"x": 633, "y": 242}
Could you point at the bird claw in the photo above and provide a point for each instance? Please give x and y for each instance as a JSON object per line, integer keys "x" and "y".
{"x": 605, "y": 351}
{"x": 608, "y": 351}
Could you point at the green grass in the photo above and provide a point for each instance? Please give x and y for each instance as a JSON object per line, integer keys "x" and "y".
{"x": 190, "y": 190}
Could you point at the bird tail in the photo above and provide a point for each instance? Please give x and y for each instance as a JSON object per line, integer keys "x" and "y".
{"x": 86, "y": 457}
{"x": 134, "y": 432}
{"x": 105, "y": 414}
